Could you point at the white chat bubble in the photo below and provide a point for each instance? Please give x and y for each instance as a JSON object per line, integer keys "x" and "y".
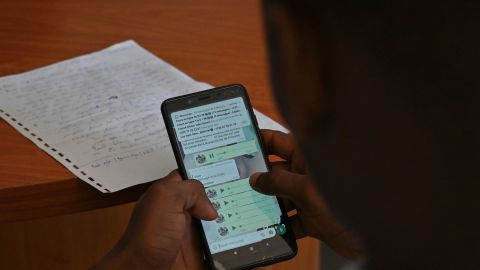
{"x": 212, "y": 125}
{"x": 216, "y": 173}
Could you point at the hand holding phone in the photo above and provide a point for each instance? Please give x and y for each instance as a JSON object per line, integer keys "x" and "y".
{"x": 155, "y": 219}
{"x": 215, "y": 139}
{"x": 290, "y": 180}
{"x": 160, "y": 234}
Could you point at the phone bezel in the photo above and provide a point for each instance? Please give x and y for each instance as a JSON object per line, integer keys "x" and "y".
{"x": 200, "y": 98}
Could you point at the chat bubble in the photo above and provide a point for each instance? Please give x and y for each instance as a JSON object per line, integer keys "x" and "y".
{"x": 216, "y": 173}
{"x": 242, "y": 214}
{"x": 227, "y": 152}
{"x": 212, "y": 125}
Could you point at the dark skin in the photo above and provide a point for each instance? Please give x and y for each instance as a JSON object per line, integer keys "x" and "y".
{"x": 382, "y": 101}
{"x": 161, "y": 234}
{"x": 290, "y": 180}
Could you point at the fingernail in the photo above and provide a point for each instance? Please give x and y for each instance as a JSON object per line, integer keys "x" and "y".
{"x": 253, "y": 179}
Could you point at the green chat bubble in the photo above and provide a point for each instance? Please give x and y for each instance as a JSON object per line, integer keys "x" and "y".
{"x": 226, "y": 152}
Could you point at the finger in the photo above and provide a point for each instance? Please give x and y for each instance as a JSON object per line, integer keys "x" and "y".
{"x": 174, "y": 176}
{"x": 281, "y": 183}
{"x": 289, "y": 205}
{"x": 283, "y": 165}
{"x": 196, "y": 201}
{"x": 280, "y": 165}
{"x": 177, "y": 197}
{"x": 297, "y": 227}
{"x": 191, "y": 247}
{"x": 278, "y": 143}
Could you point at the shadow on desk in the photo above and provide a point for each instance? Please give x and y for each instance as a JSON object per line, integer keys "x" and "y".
{"x": 77, "y": 241}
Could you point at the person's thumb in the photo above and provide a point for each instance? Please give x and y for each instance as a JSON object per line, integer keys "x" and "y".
{"x": 280, "y": 183}
{"x": 197, "y": 202}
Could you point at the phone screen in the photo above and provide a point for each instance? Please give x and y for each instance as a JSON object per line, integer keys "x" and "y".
{"x": 219, "y": 146}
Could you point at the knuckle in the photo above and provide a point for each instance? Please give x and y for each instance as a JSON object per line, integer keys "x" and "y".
{"x": 196, "y": 185}
{"x": 193, "y": 188}
{"x": 173, "y": 176}
{"x": 159, "y": 186}
{"x": 159, "y": 189}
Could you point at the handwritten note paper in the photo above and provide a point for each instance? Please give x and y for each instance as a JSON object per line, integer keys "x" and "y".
{"x": 99, "y": 114}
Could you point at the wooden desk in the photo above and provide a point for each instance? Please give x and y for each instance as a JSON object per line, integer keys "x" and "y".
{"x": 215, "y": 41}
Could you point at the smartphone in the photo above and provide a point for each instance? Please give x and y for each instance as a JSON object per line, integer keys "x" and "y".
{"x": 215, "y": 139}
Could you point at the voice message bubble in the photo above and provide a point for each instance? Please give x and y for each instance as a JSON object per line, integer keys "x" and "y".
{"x": 227, "y": 152}
{"x": 212, "y": 125}
{"x": 241, "y": 210}
{"x": 216, "y": 173}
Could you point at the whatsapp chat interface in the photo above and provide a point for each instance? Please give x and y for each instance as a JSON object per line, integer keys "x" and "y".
{"x": 220, "y": 148}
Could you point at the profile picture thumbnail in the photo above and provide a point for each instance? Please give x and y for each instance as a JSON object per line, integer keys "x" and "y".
{"x": 223, "y": 231}
{"x": 211, "y": 193}
{"x": 220, "y": 219}
{"x": 200, "y": 158}
{"x": 216, "y": 205}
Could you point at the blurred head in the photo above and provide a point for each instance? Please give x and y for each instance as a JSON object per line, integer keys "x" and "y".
{"x": 383, "y": 100}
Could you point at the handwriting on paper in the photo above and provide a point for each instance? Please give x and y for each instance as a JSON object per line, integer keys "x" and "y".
{"x": 99, "y": 114}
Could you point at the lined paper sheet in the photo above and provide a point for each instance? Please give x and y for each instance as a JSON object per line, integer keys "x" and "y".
{"x": 99, "y": 114}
